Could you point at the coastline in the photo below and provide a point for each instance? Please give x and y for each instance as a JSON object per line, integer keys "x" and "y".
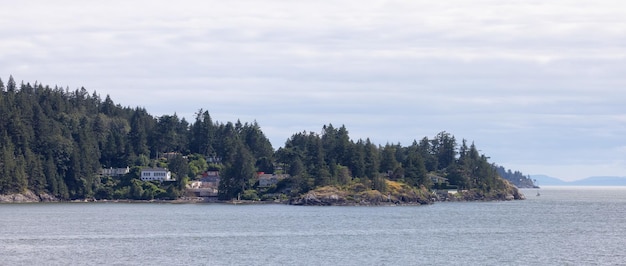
{"x": 31, "y": 197}
{"x": 313, "y": 198}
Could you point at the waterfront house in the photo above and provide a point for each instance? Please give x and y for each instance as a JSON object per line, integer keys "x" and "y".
{"x": 438, "y": 179}
{"x": 206, "y": 186}
{"x": 114, "y": 172}
{"x": 156, "y": 174}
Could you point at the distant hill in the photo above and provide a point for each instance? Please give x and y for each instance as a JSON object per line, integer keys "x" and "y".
{"x": 544, "y": 180}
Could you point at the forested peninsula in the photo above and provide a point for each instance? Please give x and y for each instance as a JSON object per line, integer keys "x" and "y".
{"x": 56, "y": 144}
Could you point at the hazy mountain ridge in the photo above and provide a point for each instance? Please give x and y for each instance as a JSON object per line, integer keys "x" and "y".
{"x": 544, "y": 180}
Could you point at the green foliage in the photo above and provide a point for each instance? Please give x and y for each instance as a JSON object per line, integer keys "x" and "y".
{"x": 378, "y": 183}
{"x": 415, "y": 170}
{"x": 197, "y": 164}
{"x": 237, "y": 175}
{"x": 388, "y": 162}
{"x": 170, "y": 134}
{"x": 517, "y": 178}
{"x": 55, "y": 140}
{"x": 179, "y": 166}
{"x": 250, "y": 194}
{"x": 130, "y": 187}
{"x": 202, "y": 134}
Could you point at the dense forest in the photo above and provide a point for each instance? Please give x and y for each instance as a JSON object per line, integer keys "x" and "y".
{"x": 55, "y": 140}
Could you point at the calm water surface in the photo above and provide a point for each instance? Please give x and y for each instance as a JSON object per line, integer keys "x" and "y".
{"x": 563, "y": 226}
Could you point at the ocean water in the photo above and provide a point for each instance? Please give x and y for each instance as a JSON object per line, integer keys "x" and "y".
{"x": 563, "y": 226}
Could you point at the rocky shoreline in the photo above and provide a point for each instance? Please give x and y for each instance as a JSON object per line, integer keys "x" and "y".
{"x": 341, "y": 199}
{"x": 397, "y": 193}
{"x": 325, "y": 196}
{"x": 335, "y": 197}
{"x": 27, "y": 197}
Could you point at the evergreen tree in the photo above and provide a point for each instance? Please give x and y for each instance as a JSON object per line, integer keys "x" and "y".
{"x": 336, "y": 148}
{"x": 357, "y": 156}
{"x": 343, "y": 146}
{"x": 237, "y": 175}
{"x": 170, "y": 134}
{"x": 425, "y": 149}
{"x": 230, "y": 141}
{"x": 202, "y": 134}
{"x": 388, "y": 162}
{"x": 317, "y": 166}
{"x": 140, "y": 126}
{"x": 296, "y": 167}
{"x": 372, "y": 159}
{"x": 444, "y": 147}
{"x": 56, "y": 140}
{"x": 50, "y": 172}
{"x": 108, "y": 106}
{"x": 179, "y": 166}
{"x": 11, "y": 85}
{"x": 7, "y": 164}
{"x": 20, "y": 180}
{"x": 256, "y": 142}
{"x": 415, "y": 171}
{"x": 136, "y": 191}
{"x": 35, "y": 172}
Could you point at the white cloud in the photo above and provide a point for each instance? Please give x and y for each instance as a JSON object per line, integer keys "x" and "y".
{"x": 536, "y": 84}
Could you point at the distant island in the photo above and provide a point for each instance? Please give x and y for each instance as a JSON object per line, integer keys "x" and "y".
{"x": 544, "y": 180}
{"x": 59, "y": 144}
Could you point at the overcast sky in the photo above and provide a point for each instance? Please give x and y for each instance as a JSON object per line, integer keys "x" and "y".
{"x": 539, "y": 86}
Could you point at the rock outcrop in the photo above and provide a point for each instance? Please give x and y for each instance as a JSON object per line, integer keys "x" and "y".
{"x": 508, "y": 192}
{"x": 358, "y": 195}
{"x": 27, "y": 196}
{"x": 397, "y": 193}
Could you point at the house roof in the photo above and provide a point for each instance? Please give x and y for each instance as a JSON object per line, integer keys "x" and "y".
{"x": 266, "y": 176}
{"x": 157, "y": 169}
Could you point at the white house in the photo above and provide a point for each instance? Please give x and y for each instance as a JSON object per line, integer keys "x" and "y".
{"x": 115, "y": 171}
{"x": 156, "y": 174}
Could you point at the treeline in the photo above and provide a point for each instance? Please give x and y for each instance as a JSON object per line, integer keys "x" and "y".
{"x": 517, "y": 178}
{"x": 331, "y": 158}
{"x": 56, "y": 140}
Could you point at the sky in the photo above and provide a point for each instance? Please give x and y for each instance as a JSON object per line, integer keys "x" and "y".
{"x": 538, "y": 86}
